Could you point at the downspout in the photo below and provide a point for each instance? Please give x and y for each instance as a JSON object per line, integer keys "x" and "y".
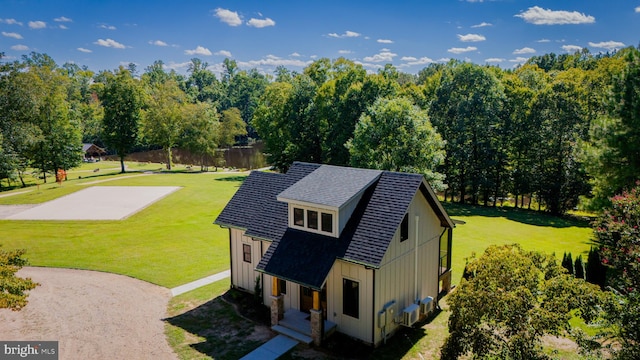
{"x": 415, "y": 278}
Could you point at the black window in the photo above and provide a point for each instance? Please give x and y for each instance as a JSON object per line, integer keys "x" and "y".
{"x": 350, "y": 298}
{"x": 298, "y": 217}
{"x": 327, "y": 222}
{"x": 312, "y": 219}
{"x": 404, "y": 228}
{"x": 246, "y": 252}
{"x": 283, "y": 286}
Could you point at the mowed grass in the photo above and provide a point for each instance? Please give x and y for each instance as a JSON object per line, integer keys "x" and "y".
{"x": 169, "y": 243}
{"x": 497, "y": 226}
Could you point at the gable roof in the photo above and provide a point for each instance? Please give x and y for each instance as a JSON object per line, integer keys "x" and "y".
{"x": 314, "y": 188}
{"x": 307, "y": 258}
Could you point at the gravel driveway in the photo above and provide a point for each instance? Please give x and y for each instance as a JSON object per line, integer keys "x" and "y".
{"x": 93, "y": 315}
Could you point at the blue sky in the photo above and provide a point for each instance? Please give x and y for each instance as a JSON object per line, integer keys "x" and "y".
{"x": 103, "y": 34}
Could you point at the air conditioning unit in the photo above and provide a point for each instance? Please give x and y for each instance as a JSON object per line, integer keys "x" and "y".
{"x": 426, "y": 305}
{"x": 410, "y": 315}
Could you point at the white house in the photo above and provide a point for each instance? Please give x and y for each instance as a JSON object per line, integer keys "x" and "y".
{"x": 358, "y": 251}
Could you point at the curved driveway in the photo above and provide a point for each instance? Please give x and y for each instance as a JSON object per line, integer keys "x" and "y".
{"x": 93, "y": 315}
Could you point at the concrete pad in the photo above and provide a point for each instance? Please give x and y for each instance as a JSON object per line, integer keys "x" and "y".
{"x": 272, "y": 349}
{"x": 97, "y": 203}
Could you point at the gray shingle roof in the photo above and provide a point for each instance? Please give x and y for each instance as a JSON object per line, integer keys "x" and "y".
{"x": 331, "y": 185}
{"x": 305, "y": 257}
{"x": 254, "y": 206}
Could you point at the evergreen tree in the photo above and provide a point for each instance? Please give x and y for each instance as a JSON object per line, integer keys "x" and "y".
{"x": 567, "y": 262}
{"x": 595, "y": 271}
{"x": 579, "y": 268}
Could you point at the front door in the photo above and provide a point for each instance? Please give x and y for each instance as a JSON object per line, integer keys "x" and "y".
{"x": 306, "y": 299}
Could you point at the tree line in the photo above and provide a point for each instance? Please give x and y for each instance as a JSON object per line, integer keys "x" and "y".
{"x": 48, "y": 111}
{"x": 556, "y": 131}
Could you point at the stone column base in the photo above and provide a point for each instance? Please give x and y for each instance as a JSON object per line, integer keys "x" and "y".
{"x": 317, "y": 326}
{"x": 277, "y": 309}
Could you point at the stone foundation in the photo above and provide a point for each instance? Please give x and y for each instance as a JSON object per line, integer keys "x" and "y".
{"x": 317, "y": 326}
{"x": 277, "y": 309}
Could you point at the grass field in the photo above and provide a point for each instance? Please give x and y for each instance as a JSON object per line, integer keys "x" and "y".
{"x": 169, "y": 244}
{"x": 174, "y": 241}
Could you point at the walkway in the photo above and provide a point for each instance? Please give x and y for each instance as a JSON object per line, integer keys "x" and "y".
{"x": 272, "y": 349}
{"x": 199, "y": 283}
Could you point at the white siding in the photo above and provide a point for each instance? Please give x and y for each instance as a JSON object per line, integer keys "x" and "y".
{"x": 291, "y": 298}
{"x": 358, "y": 328}
{"x": 243, "y": 274}
{"x": 395, "y": 280}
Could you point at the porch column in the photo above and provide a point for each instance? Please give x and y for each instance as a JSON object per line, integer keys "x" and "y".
{"x": 277, "y": 302}
{"x": 317, "y": 320}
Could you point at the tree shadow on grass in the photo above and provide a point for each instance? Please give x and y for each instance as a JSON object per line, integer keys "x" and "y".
{"x": 236, "y": 178}
{"x": 530, "y": 217}
{"x": 227, "y": 334}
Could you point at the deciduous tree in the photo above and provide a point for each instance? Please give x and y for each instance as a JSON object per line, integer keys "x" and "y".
{"x": 122, "y": 99}
{"x": 13, "y": 288}
{"x": 511, "y": 299}
{"x": 395, "y": 135}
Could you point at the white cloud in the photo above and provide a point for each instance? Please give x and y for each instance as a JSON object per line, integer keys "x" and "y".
{"x": 177, "y": 66}
{"x": 482, "y": 24}
{"x": 20, "y": 47}
{"x": 383, "y": 56}
{"x": 462, "y": 50}
{"x": 347, "y": 34}
{"x": 543, "y": 41}
{"x": 524, "y": 50}
{"x": 295, "y": 54}
{"x": 199, "y": 50}
{"x": 344, "y": 52}
{"x": 609, "y": 45}
{"x": 158, "y": 43}
{"x": 61, "y": 26}
{"x": 12, "y": 35}
{"x": 274, "y": 62}
{"x": 84, "y": 50}
{"x": 37, "y": 24}
{"x": 10, "y": 22}
{"x": 519, "y": 60}
{"x": 228, "y": 17}
{"x": 109, "y": 43}
{"x": 539, "y": 16}
{"x": 410, "y": 60}
{"x": 62, "y": 19}
{"x": 260, "y": 23}
{"x": 471, "y": 38}
{"x": 108, "y": 27}
{"x": 494, "y": 60}
{"x": 224, "y": 53}
{"x": 571, "y": 48}
{"x": 385, "y": 41}
{"x": 638, "y": 9}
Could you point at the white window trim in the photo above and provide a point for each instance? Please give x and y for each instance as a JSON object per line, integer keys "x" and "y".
{"x": 334, "y": 220}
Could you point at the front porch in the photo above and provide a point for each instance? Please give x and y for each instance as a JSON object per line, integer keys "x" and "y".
{"x": 297, "y": 325}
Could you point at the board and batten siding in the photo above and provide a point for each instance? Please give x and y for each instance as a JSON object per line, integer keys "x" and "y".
{"x": 395, "y": 280}
{"x": 243, "y": 274}
{"x": 291, "y": 298}
{"x": 359, "y": 328}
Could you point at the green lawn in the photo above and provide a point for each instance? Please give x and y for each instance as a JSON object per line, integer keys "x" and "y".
{"x": 533, "y": 230}
{"x": 169, "y": 243}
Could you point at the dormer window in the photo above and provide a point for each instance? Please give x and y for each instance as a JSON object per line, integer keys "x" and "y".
{"x": 298, "y": 217}
{"x": 327, "y": 222}
{"x": 312, "y": 219}
{"x": 315, "y": 220}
